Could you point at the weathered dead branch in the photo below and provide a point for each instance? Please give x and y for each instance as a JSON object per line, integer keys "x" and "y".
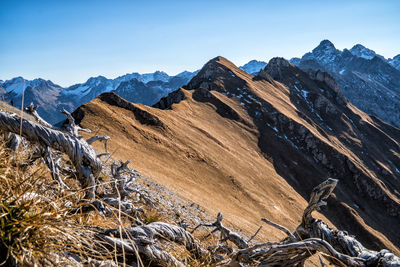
{"x": 311, "y": 236}
{"x": 32, "y": 110}
{"x": 81, "y": 154}
{"x": 226, "y": 234}
{"x": 71, "y": 127}
{"x": 143, "y": 240}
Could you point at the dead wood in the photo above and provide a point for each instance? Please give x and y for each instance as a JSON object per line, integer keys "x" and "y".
{"x": 81, "y": 154}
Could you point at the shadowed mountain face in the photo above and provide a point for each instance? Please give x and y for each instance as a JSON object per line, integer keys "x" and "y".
{"x": 255, "y": 146}
{"x": 367, "y": 79}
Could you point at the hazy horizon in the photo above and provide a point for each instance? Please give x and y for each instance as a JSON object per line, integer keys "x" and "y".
{"x": 72, "y": 41}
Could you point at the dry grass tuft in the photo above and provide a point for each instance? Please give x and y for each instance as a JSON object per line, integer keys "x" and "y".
{"x": 39, "y": 224}
{"x": 42, "y": 224}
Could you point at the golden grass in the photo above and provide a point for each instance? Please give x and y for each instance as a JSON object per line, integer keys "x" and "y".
{"x": 41, "y": 223}
{"x": 38, "y": 220}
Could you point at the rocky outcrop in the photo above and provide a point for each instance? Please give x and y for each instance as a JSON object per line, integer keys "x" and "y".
{"x": 275, "y": 67}
{"x": 140, "y": 114}
{"x": 172, "y": 98}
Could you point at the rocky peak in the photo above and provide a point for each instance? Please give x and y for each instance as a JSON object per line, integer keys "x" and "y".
{"x": 172, "y": 98}
{"x": 93, "y": 80}
{"x": 295, "y": 61}
{"x": 253, "y": 66}
{"x": 395, "y": 61}
{"x": 216, "y": 67}
{"x": 361, "y": 51}
{"x": 275, "y": 68}
{"x": 325, "y": 52}
{"x": 325, "y": 45}
{"x": 158, "y": 75}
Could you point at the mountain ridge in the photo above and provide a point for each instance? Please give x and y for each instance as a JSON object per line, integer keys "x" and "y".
{"x": 226, "y": 131}
{"x": 357, "y": 77}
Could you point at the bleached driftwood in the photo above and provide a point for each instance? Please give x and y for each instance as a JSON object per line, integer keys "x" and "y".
{"x": 54, "y": 166}
{"x": 120, "y": 179}
{"x": 312, "y": 236}
{"x": 341, "y": 241}
{"x": 81, "y": 154}
{"x": 226, "y": 234}
{"x": 123, "y": 178}
{"x": 32, "y": 110}
{"x": 13, "y": 141}
{"x": 142, "y": 241}
{"x": 99, "y": 138}
{"x": 71, "y": 127}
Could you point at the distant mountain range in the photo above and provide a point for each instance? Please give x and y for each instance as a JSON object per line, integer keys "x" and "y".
{"x": 139, "y": 88}
{"x": 367, "y": 79}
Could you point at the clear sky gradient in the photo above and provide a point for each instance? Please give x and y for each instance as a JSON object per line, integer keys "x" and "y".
{"x": 69, "y": 41}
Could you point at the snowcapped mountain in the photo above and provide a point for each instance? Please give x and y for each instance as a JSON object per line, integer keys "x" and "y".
{"x": 395, "y": 61}
{"x": 325, "y": 53}
{"x": 367, "y": 79}
{"x": 363, "y": 52}
{"x": 145, "y": 88}
{"x": 17, "y": 85}
{"x": 158, "y": 83}
{"x": 42, "y": 92}
{"x": 253, "y": 66}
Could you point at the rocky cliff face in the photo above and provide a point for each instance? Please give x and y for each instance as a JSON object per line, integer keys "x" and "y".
{"x": 367, "y": 79}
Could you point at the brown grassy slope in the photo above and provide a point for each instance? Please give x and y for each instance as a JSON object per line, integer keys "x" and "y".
{"x": 205, "y": 158}
{"x": 6, "y": 107}
{"x": 218, "y": 148}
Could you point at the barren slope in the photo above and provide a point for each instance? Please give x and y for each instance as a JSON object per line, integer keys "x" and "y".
{"x": 254, "y": 147}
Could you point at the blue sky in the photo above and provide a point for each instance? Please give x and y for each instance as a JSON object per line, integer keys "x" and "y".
{"x": 70, "y": 41}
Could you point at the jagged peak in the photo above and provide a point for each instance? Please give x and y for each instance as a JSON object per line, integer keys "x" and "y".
{"x": 279, "y": 62}
{"x": 213, "y": 68}
{"x": 357, "y": 46}
{"x": 15, "y": 79}
{"x": 396, "y": 57}
{"x": 295, "y": 60}
{"x": 361, "y": 51}
{"x": 274, "y": 68}
{"x": 395, "y": 62}
{"x": 254, "y": 61}
{"x": 254, "y": 66}
{"x": 219, "y": 60}
{"x": 95, "y": 79}
{"x": 326, "y": 44}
